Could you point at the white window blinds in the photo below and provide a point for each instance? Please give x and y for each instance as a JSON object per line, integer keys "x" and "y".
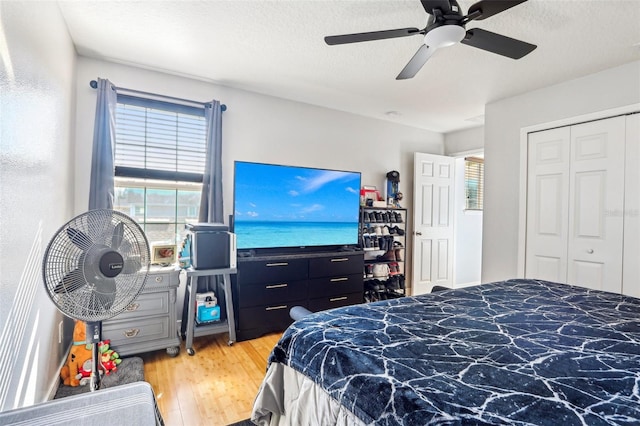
{"x": 474, "y": 182}
{"x": 159, "y": 140}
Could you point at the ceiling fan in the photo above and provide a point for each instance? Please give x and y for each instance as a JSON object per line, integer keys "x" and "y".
{"x": 445, "y": 27}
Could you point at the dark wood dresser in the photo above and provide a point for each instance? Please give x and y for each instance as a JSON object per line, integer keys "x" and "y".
{"x": 267, "y": 287}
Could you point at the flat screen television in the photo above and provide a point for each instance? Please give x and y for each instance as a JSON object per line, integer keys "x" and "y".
{"x": 287, "y": 208}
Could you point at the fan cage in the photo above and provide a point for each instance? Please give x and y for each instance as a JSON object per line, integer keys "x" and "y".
{"x": 73, "y": 280}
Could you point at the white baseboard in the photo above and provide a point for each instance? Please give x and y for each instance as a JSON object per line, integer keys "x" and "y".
{"x": 55, "y": 383}
{"x": 469, "y": 284}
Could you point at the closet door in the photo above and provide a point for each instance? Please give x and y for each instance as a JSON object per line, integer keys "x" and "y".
{"x": 596, "y": 204}
{"x": 547, "y": 204}
{"x": 631, "y": 261}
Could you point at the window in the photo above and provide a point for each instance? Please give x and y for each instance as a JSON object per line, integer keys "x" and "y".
{"x": 473, "y": 182}
{"x": 159, "y": 164}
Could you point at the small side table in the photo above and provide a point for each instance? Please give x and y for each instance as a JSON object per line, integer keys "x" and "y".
{"x": 190, "y": 330}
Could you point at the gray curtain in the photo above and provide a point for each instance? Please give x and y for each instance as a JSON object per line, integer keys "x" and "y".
{"x": 104, "y": 131}
{"x": 211, "y": 208}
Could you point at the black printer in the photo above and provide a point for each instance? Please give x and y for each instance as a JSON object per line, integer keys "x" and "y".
{"x": 212, "y": 246}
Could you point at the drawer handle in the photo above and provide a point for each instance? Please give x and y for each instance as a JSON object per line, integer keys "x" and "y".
{"x": 337, "y": 299}
{"x": 340, "y": 259}
{"x": 131, "y": 332}
{"x": 159, "y": 279}
{"x": 335, "y": 280}
{"x": 273, "y": 308}
{"x": 278, "y": 264}
{"x": 277, "y": 286}
{"x": 133, "y": 307}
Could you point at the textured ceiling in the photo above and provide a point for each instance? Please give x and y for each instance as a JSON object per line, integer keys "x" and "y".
{"x": 277, "y": 48}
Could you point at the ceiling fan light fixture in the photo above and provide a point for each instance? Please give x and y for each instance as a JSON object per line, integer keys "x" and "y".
{"x": 445, "y": 35}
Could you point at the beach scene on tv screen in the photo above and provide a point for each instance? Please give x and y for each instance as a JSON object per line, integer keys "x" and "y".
{"x": 284, "y": 206}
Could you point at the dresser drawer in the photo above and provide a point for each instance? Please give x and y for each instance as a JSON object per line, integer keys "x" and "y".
{"x": 270, "y": 317}
{"x": 330, "y": 286}
{"x": 147, "y": 304}
{"x": 272, "y": 293}
{"x": 335, "y": 265}
{"x": 267, "y": 271}
{"x": 324, "y": 303}
{"x": 136, "y": 331}
{"x": 161, "y": 279}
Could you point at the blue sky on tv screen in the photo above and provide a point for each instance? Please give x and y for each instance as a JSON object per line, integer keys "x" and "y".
{"x": 265, "y": 192}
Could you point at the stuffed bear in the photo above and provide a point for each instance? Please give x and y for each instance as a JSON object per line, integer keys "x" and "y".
{"x": 79, "y": 353}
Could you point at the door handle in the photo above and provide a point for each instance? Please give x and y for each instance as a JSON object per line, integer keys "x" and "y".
{"x": 590, "y": 251}
{"x": 418, "y": 233}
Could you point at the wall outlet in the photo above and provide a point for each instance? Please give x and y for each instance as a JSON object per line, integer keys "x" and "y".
{"x": 60, "y": 329}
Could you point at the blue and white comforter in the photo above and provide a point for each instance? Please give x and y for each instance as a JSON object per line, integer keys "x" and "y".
{"x": 512, "y": 352}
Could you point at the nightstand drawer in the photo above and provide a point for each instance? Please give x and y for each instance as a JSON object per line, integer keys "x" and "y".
{"x": 331, "y": 286}
{"x": 264, "y": 294}
{"x": 147, "y": 304}
{"x": 158, "y": 280}
{"x": 136, "y": 331}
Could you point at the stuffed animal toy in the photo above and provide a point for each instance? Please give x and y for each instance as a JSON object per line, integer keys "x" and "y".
{"x": 84, "y": 372}
{"x": 79, "y": 353}
{"x": 109, "y": 359}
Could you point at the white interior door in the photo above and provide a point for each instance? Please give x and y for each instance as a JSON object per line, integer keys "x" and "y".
{"x": 433, "y": 222}
{"x": 547, "y": 204}
{"x": 596, "y": 204}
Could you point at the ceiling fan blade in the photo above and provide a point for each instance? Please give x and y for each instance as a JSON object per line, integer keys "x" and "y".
{"x": 71, "y": 282}
{"x": 488, "y": 8}
{"x": 416, "y": 63}
{"x": 118, "y": 234}
{"x": 79, "y": 238}
{"x": 429, "y": 5}
{"x": 496, "y": 43}
{"x": 374, "y": 35}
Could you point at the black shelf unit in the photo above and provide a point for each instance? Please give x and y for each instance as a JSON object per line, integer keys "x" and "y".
{"x": 382, "y": 235}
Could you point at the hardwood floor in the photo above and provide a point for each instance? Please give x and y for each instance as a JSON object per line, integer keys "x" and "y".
{"x": 216, "y": 386}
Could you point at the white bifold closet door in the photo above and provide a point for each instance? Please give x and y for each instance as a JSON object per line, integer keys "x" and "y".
{"x": 575, "y": 204}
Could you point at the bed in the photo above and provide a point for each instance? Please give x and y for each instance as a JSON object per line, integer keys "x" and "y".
{"x": 513, "y": 352}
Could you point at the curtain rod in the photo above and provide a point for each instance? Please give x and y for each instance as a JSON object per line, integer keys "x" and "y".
{"x": 94, "y": 85}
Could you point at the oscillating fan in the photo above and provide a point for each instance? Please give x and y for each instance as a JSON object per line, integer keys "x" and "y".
{"x": 94, "y": 267}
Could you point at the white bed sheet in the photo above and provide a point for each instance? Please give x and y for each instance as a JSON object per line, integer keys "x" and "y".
{"x": 287, "y": 397}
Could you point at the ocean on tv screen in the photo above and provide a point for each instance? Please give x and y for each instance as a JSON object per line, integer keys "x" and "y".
{"x": 295, "y": 234}
{"x": 285, "y": 206}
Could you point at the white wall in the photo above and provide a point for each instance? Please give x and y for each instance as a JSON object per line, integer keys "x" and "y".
{"x": 267, "y": 129}
{"x": 615, "y": 87}
{"x": 468, "y": 235}
{"x": 468, "y": 224}
{"x": 462, "y": 141}
{"x": 36, "y": 196}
